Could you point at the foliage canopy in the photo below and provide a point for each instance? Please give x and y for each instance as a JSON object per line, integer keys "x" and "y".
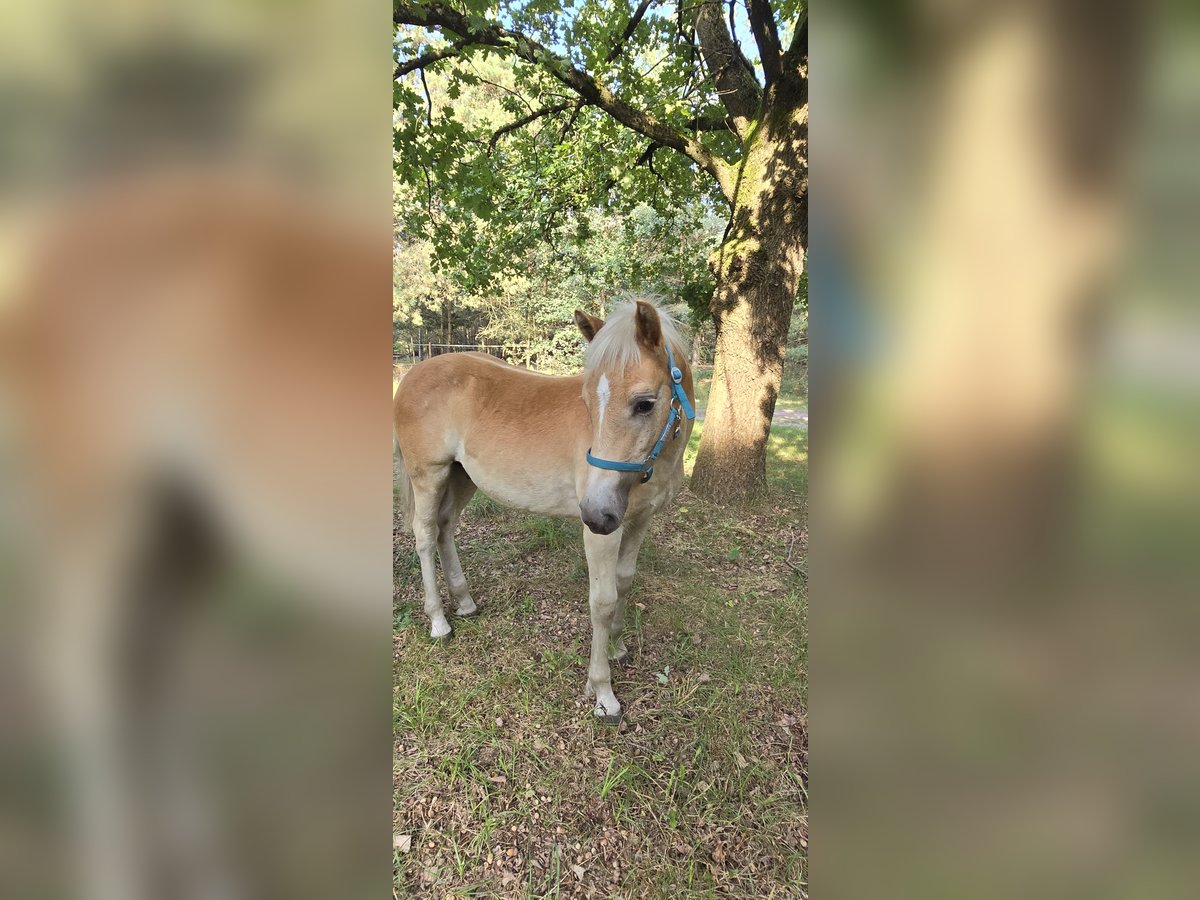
{"x": 496, "y": 153}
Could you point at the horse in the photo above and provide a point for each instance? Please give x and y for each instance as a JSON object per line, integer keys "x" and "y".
{"x": 606, "y": 446}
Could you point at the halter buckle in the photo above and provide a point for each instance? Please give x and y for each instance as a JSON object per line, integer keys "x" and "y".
{"x": 647, "y": 474}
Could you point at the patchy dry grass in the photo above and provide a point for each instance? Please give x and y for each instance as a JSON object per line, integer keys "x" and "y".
{"x": 505, "y": 786}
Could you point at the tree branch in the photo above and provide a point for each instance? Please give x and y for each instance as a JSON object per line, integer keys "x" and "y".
{"x": 798, "y": 51}
{"x": 731, "y": 71}
{"x": 428, "y": 98}
{"x": 646, "y": 157}
{"x": 437, "y": 15}
{"x": 562, "y": 136}
{"x": 710, "y": 123}
{"x": 766, "y": 35}
{"x": 629, "y": 30}
{"x": 525, "y": 120}
{"x": 425, "y": 59}
{"x": 516, "y": 95}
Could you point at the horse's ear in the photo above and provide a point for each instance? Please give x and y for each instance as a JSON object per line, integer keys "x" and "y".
{"x": 649, "y": 329}
{"x": 588, "y": 325}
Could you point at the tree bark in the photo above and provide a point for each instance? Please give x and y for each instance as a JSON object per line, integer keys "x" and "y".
{"x": 757, "y": 270}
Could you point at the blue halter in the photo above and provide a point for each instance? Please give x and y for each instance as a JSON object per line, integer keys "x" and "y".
{"x": 679, "y": 404}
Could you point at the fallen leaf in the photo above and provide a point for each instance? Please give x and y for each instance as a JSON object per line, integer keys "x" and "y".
{"x": 578, "y": 870}
{"x": 704, "y": 677}
{"x": 498, "y": 779}
{"x": 402, "y": 842}
{"x": 740, "y": 760}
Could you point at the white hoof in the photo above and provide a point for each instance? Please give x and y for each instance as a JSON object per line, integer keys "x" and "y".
{"x": 467, "y": 608}
{"x": 441, "y": 629}
{"x": 606, "y": 702}
{"x": 608, "y": 714}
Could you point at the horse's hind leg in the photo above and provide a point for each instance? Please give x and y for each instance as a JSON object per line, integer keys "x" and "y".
{"x": 459, "y": 491}
{"x": 429, "y": 486}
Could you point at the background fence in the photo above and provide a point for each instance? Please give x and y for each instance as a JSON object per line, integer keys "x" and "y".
{"x": 411, "y": 351}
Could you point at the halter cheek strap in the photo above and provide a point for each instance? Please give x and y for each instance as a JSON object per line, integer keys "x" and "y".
{"x": 679, "y": 405}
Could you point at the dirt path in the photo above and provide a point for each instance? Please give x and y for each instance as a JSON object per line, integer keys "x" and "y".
{"x": 783, "y": 418}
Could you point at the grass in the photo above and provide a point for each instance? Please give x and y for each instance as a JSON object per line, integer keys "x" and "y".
{"x": 504, "y": 784}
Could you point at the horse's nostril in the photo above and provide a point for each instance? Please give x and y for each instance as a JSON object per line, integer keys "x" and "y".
{"x": 602, "y": 523}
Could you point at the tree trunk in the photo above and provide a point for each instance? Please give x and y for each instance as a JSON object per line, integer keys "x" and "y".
{"x": 757, "y": 270}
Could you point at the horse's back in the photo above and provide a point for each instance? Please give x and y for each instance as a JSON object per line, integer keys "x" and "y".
{"x": 446, "y": 367}
{"x": 515, "y": 432}
{"x": 429, "y": 385}
{"x": 468, "y": 384}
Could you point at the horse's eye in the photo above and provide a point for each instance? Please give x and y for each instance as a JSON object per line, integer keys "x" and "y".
{"x": 643, "y": 406}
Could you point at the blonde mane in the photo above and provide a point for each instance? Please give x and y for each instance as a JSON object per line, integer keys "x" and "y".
{"x": 616, "y": 345}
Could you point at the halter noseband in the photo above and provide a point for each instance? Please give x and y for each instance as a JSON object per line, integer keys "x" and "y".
{"x": 679, "y": 405}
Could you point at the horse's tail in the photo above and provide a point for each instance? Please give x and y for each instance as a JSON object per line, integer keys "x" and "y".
{"x": 404, "y": 489}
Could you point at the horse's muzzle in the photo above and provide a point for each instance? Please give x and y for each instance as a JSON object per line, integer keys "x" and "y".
{"x": 601, "y": 523}
{"x": 602, "y": 517}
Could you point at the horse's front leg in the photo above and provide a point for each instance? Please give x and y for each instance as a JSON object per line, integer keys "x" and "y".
{"x": 603, "y": 552}
{"x": 631, "y": 544}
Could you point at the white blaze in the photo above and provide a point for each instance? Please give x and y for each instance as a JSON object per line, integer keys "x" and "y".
{"x": 602, "y": 395}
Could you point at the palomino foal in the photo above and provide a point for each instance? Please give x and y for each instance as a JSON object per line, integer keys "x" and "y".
{"x": 606, "y": 446}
